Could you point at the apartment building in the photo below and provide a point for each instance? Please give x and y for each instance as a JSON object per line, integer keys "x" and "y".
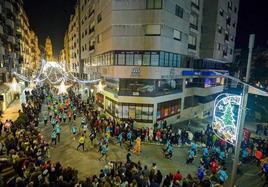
{"x": 147, "y": 53}
{"x": 219, "y": 29}
{"x": 73, "y": 38}
{"x": 66, "y": 49}
{"x": 18, "y": 46}
{"x": 29, "y": 52}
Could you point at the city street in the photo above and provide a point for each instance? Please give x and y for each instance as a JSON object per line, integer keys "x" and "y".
{"x": 87, "y": 164}
{"x": 183, "y": 82}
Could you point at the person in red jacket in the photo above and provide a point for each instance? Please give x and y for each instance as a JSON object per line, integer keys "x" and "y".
{"x": 214, "y": 166}
{"x": 258, "y": 156}
{"x": 177, "y": 176}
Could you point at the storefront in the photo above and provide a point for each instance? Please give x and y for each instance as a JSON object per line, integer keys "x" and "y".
{"x": 6, "y": 97}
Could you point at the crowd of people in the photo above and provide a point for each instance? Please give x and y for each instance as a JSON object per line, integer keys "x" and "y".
{"x": 29, "y": 152}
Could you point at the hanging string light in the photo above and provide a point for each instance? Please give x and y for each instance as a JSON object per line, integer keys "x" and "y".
{"x": 54, "y": 73}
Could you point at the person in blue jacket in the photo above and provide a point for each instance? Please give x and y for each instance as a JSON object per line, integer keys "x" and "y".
{"x": 54, "y": 137}
{"x": 104, "y": 151}
{"x": 120, "y": 139}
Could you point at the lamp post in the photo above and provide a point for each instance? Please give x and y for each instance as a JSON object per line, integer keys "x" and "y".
{"x": 242, "y": 113}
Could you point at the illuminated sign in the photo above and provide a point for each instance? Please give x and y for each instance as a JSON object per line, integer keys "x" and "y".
{"x": 225, "y": 117}
{"x": 198, "y": 73}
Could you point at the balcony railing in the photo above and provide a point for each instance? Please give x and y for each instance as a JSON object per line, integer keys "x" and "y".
{"x": 195, "y": 5}
{"x": 195, "y": 27}
{"x": 190, "y": 46}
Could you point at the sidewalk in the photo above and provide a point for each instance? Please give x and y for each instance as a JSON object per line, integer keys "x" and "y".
{"x": 201, "y": 124}
{"x": 12, "y": 111}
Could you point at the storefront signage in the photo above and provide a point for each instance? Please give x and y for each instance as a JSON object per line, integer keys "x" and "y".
{"x": 136, "y": 72}
{"x": 198, "y": 73}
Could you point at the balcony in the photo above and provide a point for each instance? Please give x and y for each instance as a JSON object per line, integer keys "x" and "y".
{"x": 190, "y": 46}
{"x": 9, "y": 6}
{"x": 10, "y": 23}
{"x": 91, "y": 48}
{"x": 195, "y": 27}
{"x": 11, "y": 39}
{"x": 193, "y": 5}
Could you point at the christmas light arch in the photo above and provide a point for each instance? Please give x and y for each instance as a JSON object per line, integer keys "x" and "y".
{"x": 54, "y": 73}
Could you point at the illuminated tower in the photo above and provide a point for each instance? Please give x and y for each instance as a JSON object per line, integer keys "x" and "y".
{"x": 48, "y": 49}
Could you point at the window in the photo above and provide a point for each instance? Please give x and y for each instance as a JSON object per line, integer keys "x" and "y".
{"x": 219, "y": 46}
{"x": 231, "y": 51}
{"x": 194, "y": 21}
{"x": 162, "y": 59}
{"x": 220, "y": 29}
{"x": 121, "y": 58}
{"x": 192, "y": 42}
{"x": 154, "y": 58}
{"x": 234, "y": 24}
{"x": 99, "y": 38}
{"x": 225, "y": 51}
{"x": 146, "y": 59}
{"x": 138, "y": 112}
{"x": 195, "y": 3}
{"x": 170, "y": 62}
{"x": 230, "y": 5}
{"x": 177, "y": 35}
{"x": 221, "y": 12}
{"x": 153, "y": 4}
{"x": 190, "y": 101}
{"x": 153, "y": 30}
{"x": 144, "y": 113}
{"x": 125, "y": 111}
{"x": 235, "y": 9}
{"x": 167, "y": 109}
{"x": 179, "y": 11}
{"x": 228, "y": 21}
{"x": 226, "y": 36}
{"x": 99, "y": 17}
{"x": 129, "y": 58}
{"x": 137, "y": 59}
{"x": 166, "y": 59}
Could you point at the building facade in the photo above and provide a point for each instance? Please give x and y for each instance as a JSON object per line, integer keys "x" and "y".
{"x": 146, "y": 52}
{"x": 18, "y": 46}
{"x": 219, "y": 29}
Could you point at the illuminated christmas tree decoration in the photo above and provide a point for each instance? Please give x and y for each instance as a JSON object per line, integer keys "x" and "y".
{"x": 225, "y": 117}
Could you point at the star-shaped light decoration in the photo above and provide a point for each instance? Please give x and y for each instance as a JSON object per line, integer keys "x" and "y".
{"x": 100, "y": 87}
{"x": 62, "y": 88}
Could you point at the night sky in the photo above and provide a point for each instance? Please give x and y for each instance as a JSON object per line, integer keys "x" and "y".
{"x": 51, "y": 17}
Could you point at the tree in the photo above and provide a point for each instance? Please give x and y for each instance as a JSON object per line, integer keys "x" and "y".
{"x": 228, "y": 115}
